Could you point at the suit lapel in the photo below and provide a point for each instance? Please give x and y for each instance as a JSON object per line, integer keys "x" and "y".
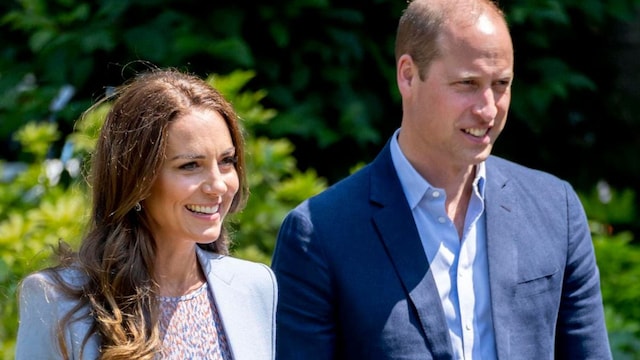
{"x": 502, "y": 252}
{"x": 402, "y": 242}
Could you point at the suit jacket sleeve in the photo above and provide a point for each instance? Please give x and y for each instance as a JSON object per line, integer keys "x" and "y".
{"x": 545, "y": 287}
{"x": 302, "y": 332}
{"x": 581, "y": 331}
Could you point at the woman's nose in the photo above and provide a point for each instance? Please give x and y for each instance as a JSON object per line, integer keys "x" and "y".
{"x": 214, "y": 184}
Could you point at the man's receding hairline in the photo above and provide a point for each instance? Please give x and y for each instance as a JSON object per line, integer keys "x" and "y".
{"x": 456, "y": 10}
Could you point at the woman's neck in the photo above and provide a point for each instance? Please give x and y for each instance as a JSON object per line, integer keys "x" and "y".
{"x": 178, "y": 272}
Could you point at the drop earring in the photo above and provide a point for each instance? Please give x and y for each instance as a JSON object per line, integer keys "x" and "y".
{"x": 138, "y": 207}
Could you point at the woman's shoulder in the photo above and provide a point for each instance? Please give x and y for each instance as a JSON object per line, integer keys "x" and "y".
{"x": 48, "y": 284}
{"x": 45, "y": 297}
{"x": 236, "y": 263}
{"x": 229, "y": 267}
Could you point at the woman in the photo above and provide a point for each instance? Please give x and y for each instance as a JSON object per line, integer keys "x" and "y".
{"x": 152, "y": 277}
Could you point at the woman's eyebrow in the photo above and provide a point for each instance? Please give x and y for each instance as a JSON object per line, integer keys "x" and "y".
{"x": 187, "y": 157}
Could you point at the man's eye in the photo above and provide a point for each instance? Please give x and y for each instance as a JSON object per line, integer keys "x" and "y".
{"x": 467, "y": 84}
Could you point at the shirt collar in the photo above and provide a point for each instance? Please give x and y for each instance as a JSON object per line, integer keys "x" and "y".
{"x": 414, "y": 185}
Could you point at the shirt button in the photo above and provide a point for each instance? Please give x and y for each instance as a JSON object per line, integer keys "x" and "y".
{"x": 436, "y": 194}
{"x": 468, "y": 326}
{"x": 442, "y": 220}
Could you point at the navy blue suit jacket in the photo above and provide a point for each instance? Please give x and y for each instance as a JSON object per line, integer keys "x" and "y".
{"x": 354, "y": 281}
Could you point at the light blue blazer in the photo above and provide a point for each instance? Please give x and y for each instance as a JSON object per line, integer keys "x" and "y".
{"x": 355, "y": 282}
{"x": 245, "y": 294}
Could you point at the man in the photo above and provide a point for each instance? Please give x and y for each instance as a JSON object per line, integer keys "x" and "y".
{"x": 437, "y": 250}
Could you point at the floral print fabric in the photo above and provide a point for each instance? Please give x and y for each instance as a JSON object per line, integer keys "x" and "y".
{"x": 191, "y": 328}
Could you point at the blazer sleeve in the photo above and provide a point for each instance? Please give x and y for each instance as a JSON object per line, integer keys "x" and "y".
{"x": 302, "y": 332}
{"x": 39, "y": 316}
{"x": 580, "y": 332}
{"x": 41, "y": 306}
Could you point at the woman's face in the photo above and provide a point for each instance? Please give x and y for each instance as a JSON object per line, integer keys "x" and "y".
{"x": 196, "y": 183}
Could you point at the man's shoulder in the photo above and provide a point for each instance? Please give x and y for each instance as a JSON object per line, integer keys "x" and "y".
{"x": 501, "y": 172}
{"x": 357, "y": 185}
{"x": 513, "y": 169}
{"x": 348, "y": 190}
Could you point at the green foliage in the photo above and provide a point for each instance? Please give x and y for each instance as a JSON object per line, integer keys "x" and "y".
{"x": 88, "y": 45}
{"x": 328, "y": 67}
{"x": 564, "y": 88}
{"x": 623, "y": 335}
{"x": 610, "y": 206}
{"x": 85, "y": 136}
{"x": 37, "y": 209}
{"x": 37, "y": 138}
{"x": 618, "y": 257}
{"x": 618, "y": 261}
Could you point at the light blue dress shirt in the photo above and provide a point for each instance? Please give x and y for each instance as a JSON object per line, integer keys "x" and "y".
{"x": 459, "y": 266}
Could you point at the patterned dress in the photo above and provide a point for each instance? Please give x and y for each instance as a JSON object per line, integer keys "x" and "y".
{"x": 191, "y": 328}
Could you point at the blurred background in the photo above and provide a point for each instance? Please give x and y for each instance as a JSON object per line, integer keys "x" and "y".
{"x": 314, "y": 82}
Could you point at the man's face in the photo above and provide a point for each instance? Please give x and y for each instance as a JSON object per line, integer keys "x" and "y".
{"x": 456, "y": 113}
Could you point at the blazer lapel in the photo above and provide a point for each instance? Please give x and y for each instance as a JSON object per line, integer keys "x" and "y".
{"x": 400, "y": 237}
{"x": 232, "y": 304}
{"x": 502, "y": 252}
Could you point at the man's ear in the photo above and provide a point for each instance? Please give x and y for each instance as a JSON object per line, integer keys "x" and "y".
{"x": 406, "y": 73}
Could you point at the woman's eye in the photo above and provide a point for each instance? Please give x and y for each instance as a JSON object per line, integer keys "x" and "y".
{"x": 189, "y": 166}
{"x": 229, "y": 161}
